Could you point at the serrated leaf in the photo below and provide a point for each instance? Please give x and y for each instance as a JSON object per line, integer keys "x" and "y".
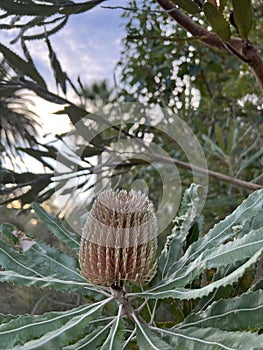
{"x": 174, "y": 243}
{"x": 210, "y": 250}
{"x": 39, "y": 155}
{"x": 52, "y": 328}
{"x": 36, "y": 21}
{"x": 243, "y": 17}
{"x": 84, "y": 151}
{"x": 24, "y": 8}
{"x": 64, "y": 335}
{"x": 73, "y": 8}
{"x": 24, "y": 67}
{"x": 6, "y": 318}
{"x": 225, "y": 229}
{"x": 188, "y": 6}
{"x": 56, "y": 228}
{"x": 42, "y": 266}
{"x": 162, "y": 292}
{"x": 210, "y": 339}
{"x": 149, "y": 340}
{"x": 46, "y": 33}
{"x": 60, "y": 75}
{"x": 218, "y": 22}
{"x": 169, "y": 254}
{"x": 224, "y": 255}
{"x": 244, "y": 312}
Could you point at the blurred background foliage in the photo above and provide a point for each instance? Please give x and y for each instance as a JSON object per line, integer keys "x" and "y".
{"x": 160, "y": 64}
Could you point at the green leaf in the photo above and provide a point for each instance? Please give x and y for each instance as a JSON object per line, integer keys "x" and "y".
{"x": 188, "y": 5}
{"x": 211, "y": 251}
{"x": 28, "y": 9}
{"x": 11, "y": 276}
{"x": 6, "y": 91}
{"x": 41, "y": 266}
{"x": 241, "y": 313}
{"x": 232, "y": 135}
{"x": 148, "y": 340}
{"x": 189, "y": 209}
{"x": 223, "y": 255}
{"x": 243, "y": 17}
{"x": 222, "y": 5}
{"x": 24, "y": 67}
{"x": 75, "y": 114}
{"x": 213, "y": 147}
{"x": 219, "y": 137}
{"x": 92, "y": 340}
{"x": 52, "y": 330}
{"x": 116, "y": 335}
{"x": 210, "y": 339}
{"x": 85, "y": 151}
{"x": 225, "y": 229}
{"x": 54, "y": 225}
{"x": 39, "y": 155}
{"x": 11, "y": 177}
{"x": 80, "y": 7}
{"x": 174, "y": 244}
{"x": 6, "y": 318}
{"x": 60, "y": 76}
{"x": 47, "y": 33}
{"x": 36, "y": 21}
{"x": 257, "y": 155}
{"x": 218, "y": 22}
{"x": 7, "y": 230}
{"x": 35, "y": 191}
{"x": 167, "y": 291}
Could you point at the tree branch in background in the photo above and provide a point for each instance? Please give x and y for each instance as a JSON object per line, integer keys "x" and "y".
{"x": 243, "y": 50}
{"x": 82, "y": 112}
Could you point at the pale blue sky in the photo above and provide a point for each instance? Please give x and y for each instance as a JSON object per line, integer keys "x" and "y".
{"x": 90, "y": 43}
{"x": 88, "y": 46}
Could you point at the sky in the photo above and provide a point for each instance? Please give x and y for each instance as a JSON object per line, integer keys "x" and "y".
{"x": 88, "y": 46}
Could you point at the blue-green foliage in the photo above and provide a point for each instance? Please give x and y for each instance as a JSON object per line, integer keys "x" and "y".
{"x": 236, "y": 242}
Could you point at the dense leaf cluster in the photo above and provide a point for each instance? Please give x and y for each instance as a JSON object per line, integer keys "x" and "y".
{"x": 217, "y": 319}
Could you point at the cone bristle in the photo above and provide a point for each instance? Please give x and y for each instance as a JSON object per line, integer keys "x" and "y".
{"x": 119, "y": 240}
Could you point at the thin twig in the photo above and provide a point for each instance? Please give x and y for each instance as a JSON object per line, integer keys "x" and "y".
{"x": 162, "y": 37}
{"x": 221, "y": 177}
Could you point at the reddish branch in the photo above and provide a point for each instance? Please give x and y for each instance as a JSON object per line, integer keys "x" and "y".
{"x": 221, "y": 177}
{"x": 244, "y": 51}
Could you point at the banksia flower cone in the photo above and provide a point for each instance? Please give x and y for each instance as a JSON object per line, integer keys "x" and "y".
{"x": 119, "y": 239}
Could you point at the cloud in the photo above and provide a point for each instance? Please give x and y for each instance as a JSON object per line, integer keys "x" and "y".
{"x": 88, "y": 46}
